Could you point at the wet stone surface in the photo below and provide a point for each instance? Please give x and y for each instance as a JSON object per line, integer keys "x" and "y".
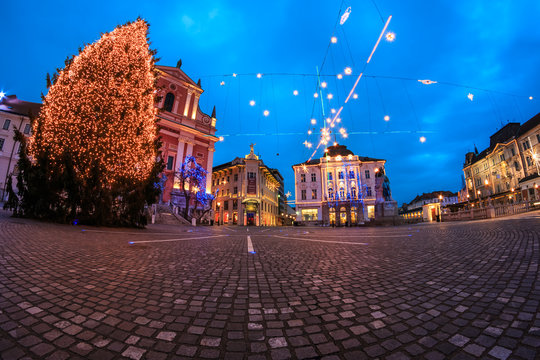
{"x": 429, "y": 291}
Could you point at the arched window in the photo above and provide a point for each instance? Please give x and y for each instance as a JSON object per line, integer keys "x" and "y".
{"x": 169, "y": 102}
{"x": 353, "y": 193}
{"x": 341, "y": 193}
{"x": 331, "y": 193}
{"x": 340, "y": 175}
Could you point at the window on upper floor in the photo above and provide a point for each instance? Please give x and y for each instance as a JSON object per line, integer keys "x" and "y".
{"x": 516, "y": 165}
{"x": 353, "y": 193}
{"x": 170, "y": 162}
{"x": 538, "y": 138}
{"x": 330, "y": 176}
{"x": 235, "y": 190}
{"x": 235, "y": 204}
{"x": 367, "y": 174}
{"x": 513, "y": 151}
{"x": 341, "y": 193}
{"x": 340, "y": 175}
{"x": 226, "y": 205}
{"x": 368, "y": 191}
{"x": 526, "y": 145}
{"x": 27, "y": 128}
{"x": 313, "y": 177}
{"x": 2, "y": 141}
{"x": 228, "y": 179}
{"x": 235, "y": 177}
{"x": 302, "y": 177}
{"x": 313, "y": 194}
{"x": 351, "y": 174}
{"x": 303, "y": 193}
{"x": 331, "y": 194}
{"x": 529, "y": 161}
{"x": 6, "y": 124}
{"x": 169, "y": 102}
{"x": 501, "y": 157}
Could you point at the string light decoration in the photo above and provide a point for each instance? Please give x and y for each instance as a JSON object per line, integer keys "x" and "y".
{"x": 422, "y": 139}
{"x": 386, "y": 118}
{"x": 390, "y": 36}
{"x": 470, "y": 96}
{"x": 266, "y": 112}
{"x": 345, "y": 16}
{"x": 295, "y": 92}
{"x": 100, "y": 110}
{"x": 333, "y": 39}
{"x": 427, "y": 82}
{"x": 348, "y": 71}
{"x": 94, "y": 152}
{"x": 252, "y": 102}
{"x": 530, "y": 97}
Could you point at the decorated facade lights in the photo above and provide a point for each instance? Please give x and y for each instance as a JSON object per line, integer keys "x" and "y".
{"x": 427, "y": 82}
{"x": 266, "y": 112}
{"x": 386, "y": 118}
{"x": 470, "y": 96}
{"x": 252, "y": 102}
{"x": 347, "y": 71}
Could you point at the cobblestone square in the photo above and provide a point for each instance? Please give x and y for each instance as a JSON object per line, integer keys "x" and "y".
{"x": 429, "y": 291}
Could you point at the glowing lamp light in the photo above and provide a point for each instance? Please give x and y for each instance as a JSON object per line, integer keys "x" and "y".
{"x": 422, "y": 139}
{"x": 333, "y": 39}
{"x": 335, "y": 143}
{"x": 376, "y": 170}
{"x": 316, "y": 95}
{"x": 339, "y": 76}
{"x": 266, "y": 112}
{"x": 259, "y": 75}
{"x": 347, "y": 71}
{"x": 470, "y": 96}
{"x": 386, "y": 118}
{"x": 486, "y": 182}
{"x": 295, "y": 92}
{"x": 329, "y": 96}
{"x": 313, "y": 121}
{"x": 221, "y": 138}
{"x": 427, "y": 82}
{"x": 355, "y": 96}
{"x": 324, "y": 84}
{"x": 390, "y": 36}
{"x": 512, "y": 189}
{"x": 252, "y": 102}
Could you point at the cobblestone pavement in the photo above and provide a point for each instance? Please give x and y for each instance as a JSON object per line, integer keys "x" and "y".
{"x": 430, "y": 291}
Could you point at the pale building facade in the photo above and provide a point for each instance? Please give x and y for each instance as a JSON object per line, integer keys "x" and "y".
{"x": 506, "y": 171}
{"x": 247, "y": 192}
{"x": 14, "y": 114}
{"x": 184, "y": 129}
{"x": 340, "y": 188}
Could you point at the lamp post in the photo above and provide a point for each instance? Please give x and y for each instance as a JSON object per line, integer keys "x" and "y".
{"x": 479, "y": 197}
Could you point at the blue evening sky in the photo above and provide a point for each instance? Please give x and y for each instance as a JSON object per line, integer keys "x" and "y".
{"x": 493, "y": 45}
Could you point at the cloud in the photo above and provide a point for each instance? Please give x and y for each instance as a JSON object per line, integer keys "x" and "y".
{"x": 188, "y": 21}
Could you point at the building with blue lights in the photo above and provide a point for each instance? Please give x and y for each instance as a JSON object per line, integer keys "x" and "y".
{"x": 339, "y": 189}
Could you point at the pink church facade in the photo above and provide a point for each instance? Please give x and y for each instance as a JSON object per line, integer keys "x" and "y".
{"x": 184, "y": 129}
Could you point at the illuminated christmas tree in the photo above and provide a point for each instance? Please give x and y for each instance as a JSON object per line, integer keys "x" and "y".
{"x": 94, "y": 144}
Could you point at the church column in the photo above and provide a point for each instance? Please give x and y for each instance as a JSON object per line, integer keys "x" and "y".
{"x": 189, "y": 150}
{"x": 209, "y": 162}
{"x": 179, "y": 160}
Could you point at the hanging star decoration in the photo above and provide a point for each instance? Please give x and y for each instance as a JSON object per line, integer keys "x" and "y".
{"x": 345, "y": 16}
{"x": 427, "y": 82}
{"x": 470, "y": 96}
{"x": 288, "y": 194}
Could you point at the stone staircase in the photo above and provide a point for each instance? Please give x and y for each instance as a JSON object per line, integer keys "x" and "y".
{"x": 165, "y": 215}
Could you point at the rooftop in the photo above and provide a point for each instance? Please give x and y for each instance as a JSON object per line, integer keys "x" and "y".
{"x": 13, "y": 105}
